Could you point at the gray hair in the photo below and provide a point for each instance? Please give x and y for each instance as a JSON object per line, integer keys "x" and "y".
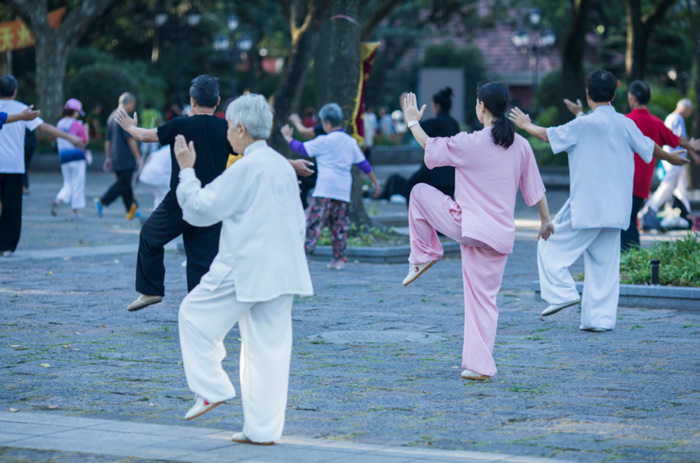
{"x": 685, "y": 103}
{"x": 126, "y": 98}
{"x": 331, "y": 113}
{"x": 253, "y": 111}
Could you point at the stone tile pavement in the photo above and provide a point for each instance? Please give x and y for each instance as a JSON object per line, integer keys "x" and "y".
{"x": 375, "y": 367}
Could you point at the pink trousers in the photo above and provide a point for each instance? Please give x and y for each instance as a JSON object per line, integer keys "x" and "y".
{"x": 431, "y": 211}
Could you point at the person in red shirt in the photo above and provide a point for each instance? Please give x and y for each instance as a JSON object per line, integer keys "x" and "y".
{"x": 638, "y": 95}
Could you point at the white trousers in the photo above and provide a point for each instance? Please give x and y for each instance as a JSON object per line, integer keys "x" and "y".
{"x": 601, "y": 259}
{"x": 674, "y": 183}
{"x": 206, "y": 316}
{"x": 73, "y": 191}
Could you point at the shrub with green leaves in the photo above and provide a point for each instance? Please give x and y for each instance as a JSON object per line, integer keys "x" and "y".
{"x": 679, "y": 263}
{"x": 101, "y": 84}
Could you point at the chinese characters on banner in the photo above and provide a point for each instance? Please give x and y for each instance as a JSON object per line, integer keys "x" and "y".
{"x": 15, "y": 35}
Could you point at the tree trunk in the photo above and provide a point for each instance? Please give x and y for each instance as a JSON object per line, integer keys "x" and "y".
{"x": 322, "y": 61}
{"x": 54, "y": 46}
{"x": 635, "y": 54}
{"x": 344, "y": 78}
{"x": 51, "y": 62}
{"x": 639, "y": 30}
{"x": 288, "y": 92}
{"x": 572, "y": 78}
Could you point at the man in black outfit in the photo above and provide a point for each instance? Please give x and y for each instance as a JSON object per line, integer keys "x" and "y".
{"x": 208, "y": 133}
{"x": 122, "y": 156}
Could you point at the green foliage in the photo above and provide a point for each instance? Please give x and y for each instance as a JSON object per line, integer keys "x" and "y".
{"x": 151, "y": 86}
{"x": 679, "y": 263}
{"x": 101, "y": 84}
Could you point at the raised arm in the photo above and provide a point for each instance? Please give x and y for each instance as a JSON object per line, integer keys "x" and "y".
{"x": 523, "y": 121}
{"x": 306, "y": 132}
{"x": 411, "y": 114}
{"x": 131, "y": 125}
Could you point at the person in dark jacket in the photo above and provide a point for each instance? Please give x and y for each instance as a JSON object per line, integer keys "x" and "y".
{"x": 442, "y": 178}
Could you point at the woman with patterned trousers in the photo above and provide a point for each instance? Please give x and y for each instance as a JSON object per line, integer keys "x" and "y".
{"x": 336, "y": 153}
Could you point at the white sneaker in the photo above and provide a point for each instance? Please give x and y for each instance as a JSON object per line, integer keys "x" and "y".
{"x": 468, "y": 374}
{"x": 201, "y": 406}
{"x": 416, "y": 270}
{"x": 554, "y": 308}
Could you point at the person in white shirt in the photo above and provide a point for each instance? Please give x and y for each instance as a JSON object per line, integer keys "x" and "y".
{"x": 335, "y": 152}
{"x": 252, "y": 281}
{"x": 12, "y": 162}
{"x": 601, "y": 149}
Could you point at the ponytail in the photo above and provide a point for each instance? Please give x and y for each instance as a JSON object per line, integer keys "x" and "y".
{"x": 503, "y": 131}
{"x": 496, "y": 99}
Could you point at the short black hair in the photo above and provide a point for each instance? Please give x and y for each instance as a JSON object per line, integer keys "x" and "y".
{"x": 601, "y": 86}
{"x": 205, "y": 91}
{"x": 444, "y": 99}
{"x": 8, "y": 85}
{"x": 640, "y": 90}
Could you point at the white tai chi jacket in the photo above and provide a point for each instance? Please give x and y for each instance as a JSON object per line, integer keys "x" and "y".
{"x": 263, "y": 224}
{"x": 601, "y": 147}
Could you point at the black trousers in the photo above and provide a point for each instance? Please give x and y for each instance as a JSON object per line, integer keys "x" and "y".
{"x": 122, "y": 187}
{"x": 630, "y": 237}
{"x": 164, "y": 225}
{"x": 11, "y": 215}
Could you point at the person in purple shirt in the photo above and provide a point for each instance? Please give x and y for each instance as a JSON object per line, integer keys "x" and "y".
{"x": 336, "y": 153}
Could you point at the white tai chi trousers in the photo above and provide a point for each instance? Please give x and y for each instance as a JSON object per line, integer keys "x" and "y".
{"x": 674, "y": 183}
{"x": 601, "y": 259}
{"x": 206, "y": 316}
{"x": 73, "y": 191}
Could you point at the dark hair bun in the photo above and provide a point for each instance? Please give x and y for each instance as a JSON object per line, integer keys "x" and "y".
{"x": 447, "y": 91}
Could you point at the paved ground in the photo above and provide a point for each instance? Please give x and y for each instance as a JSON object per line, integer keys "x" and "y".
{"x": 374, "y": 364}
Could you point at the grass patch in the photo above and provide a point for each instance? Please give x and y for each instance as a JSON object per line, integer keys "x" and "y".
{"x": 679, "y": 263}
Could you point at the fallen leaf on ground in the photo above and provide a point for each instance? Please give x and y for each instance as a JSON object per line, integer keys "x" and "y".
{"x": 45, "y": 365}
{"x": 52, "y": 407}
{"x": 67, "y": 346}
{"x": 13, "y": 410}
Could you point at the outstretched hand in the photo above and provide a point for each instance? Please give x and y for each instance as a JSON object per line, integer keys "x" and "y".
{"x": 574, "y": 108}
{"x": 124, "y": 121}
{"x": 29, "y": 114}
{"x": 184, "y": 153}
{"x": 519, "y": 118}
{"x": 409, "y": 107}
{"x": 301, "y": 167}
{"x": 676, "y": 159}
{"x": 287, "y": 132}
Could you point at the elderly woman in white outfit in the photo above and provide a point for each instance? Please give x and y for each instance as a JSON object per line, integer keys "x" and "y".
{"x": 252, "y": 281}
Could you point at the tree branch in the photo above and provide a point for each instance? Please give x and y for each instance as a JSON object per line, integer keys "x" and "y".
{"x": 379, "y": 13}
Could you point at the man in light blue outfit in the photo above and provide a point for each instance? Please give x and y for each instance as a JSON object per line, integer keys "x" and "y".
{"x": 601, "y": 149}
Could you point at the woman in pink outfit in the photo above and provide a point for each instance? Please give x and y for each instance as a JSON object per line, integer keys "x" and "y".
{"x": 490, "y": 165}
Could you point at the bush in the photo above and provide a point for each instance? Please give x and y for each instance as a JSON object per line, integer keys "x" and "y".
{"x": 679, "y": 263}
{"x": 101, "y": 84}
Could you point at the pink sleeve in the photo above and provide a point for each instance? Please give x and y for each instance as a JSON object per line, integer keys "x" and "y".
{"x": 531, "y": 185}
{"x": 445, "y": 151}
{"x": 78, "y": 130}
